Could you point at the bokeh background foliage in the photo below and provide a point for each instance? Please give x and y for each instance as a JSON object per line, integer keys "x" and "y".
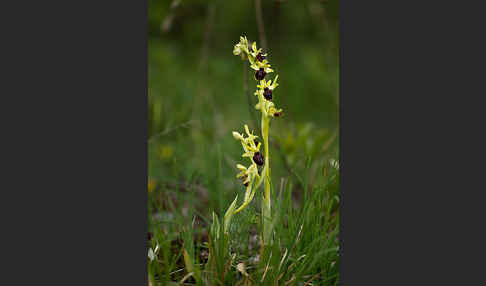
{"x": 196, "y": 90}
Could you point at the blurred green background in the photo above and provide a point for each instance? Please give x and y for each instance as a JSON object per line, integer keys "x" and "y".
{"x": 197, "y": 97}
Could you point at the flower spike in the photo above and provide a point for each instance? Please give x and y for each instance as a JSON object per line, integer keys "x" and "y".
{"x": 251, "y": 176}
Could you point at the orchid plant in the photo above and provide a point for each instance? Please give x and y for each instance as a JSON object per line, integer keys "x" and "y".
{"x": 251, "y": 177}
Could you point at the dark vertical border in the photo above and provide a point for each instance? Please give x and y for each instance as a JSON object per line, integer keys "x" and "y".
{"x": 77, "y": 160}
{"x": 411, "y": 81}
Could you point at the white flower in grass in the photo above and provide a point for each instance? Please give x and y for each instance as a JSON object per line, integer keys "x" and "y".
{"x": 153, "y": 253}
{"x": 335, "y": 164}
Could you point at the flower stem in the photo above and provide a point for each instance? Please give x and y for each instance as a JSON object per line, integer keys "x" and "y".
{"x": 266, "y": 203}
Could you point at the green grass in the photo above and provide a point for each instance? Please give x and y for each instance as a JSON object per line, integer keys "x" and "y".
{"x": 305, "y": 247}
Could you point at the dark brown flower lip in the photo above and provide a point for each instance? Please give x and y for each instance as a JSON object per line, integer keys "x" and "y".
{"x": 267, "y": 93}
{"x": 258, "y": 158}
{"x": 260, "y": 57}
{"x": 260, "y": 74}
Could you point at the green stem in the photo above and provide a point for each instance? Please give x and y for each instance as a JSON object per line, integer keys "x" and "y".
{"x": 266, "y": 203}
